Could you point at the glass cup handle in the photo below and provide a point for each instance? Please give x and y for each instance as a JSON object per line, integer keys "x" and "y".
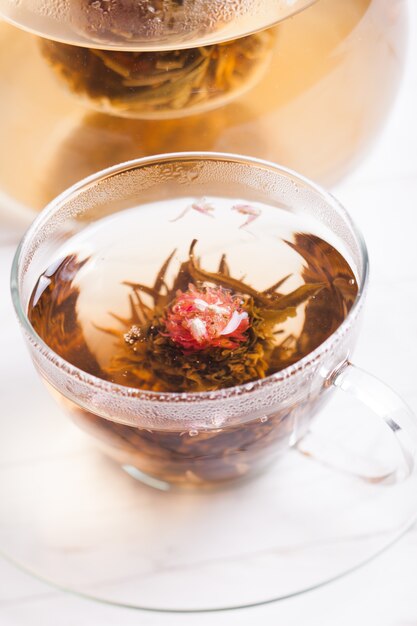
{"x": 387, "y": 406}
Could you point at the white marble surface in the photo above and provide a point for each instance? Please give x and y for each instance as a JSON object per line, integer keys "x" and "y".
{"x": 382, "y": 197}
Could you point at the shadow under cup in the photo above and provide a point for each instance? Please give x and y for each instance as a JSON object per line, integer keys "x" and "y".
{"x": 189, "y": 439}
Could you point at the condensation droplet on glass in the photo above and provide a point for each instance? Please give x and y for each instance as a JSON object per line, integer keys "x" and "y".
{"x": 192, "y": 175}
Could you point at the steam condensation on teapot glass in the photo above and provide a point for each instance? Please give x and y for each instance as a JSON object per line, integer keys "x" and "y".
{"x": 147, "y": 24}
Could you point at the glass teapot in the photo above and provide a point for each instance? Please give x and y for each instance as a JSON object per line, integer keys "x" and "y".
{"x": 301, "y": 82}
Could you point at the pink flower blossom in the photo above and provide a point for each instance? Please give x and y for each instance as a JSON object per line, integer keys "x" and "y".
{"x": 201, "y": 206}
{"x": 247, "y": 209}
{"x": 206, "y": 318}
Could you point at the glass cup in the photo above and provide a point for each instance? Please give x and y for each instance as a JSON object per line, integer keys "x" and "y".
{"x": 205, "y": 439}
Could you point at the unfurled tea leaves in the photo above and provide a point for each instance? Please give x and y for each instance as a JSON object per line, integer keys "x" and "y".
{"x": 165, "y": 81}
{"x": 208, "y": 330}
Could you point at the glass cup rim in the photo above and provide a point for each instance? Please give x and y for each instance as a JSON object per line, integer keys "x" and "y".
{"x": 132, "y": 392}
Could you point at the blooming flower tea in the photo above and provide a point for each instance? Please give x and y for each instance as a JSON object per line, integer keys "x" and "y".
{"x": 191, "y": 295}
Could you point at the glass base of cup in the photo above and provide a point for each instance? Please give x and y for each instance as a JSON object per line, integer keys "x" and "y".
{"x": 149, "y": 481}
{"x": 163, "y": 485}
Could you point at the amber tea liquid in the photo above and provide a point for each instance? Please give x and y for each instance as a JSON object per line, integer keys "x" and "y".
{"x": 193, "y": 295}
